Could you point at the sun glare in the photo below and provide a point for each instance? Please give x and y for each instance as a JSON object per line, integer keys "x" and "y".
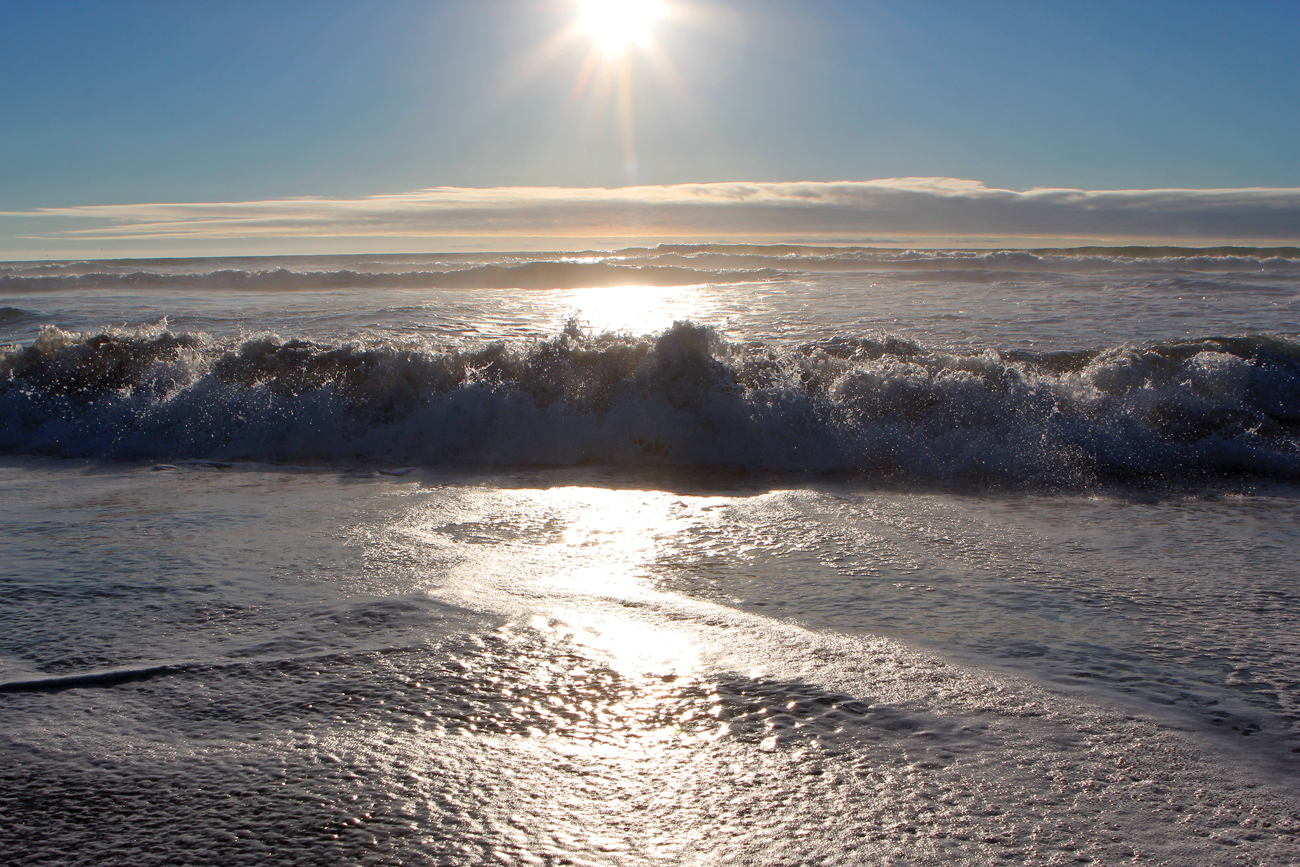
{"x": 615, "y": 25}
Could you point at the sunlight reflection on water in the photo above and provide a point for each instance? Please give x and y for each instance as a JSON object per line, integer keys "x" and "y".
{"x": 554, "y": 554}
{"x": 583, "y": 712}
{"x": 639, "y": 309}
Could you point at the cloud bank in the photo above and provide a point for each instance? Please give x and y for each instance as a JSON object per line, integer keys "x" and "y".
{"x": 908, "y": 209}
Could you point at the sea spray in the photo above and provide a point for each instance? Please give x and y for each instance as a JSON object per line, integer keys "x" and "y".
{"x": 685, "y": 397}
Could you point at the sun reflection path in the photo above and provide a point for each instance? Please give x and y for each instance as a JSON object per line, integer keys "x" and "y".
{"x": 638, "y": 309}
{"x": 592, "y": 652}
{"x": 604, "y": 715}
{"x": 556, "y": 558}
{"x": 521, "y": 741}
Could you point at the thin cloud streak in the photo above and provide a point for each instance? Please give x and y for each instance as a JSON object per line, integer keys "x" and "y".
{"x": 912, "y": 208}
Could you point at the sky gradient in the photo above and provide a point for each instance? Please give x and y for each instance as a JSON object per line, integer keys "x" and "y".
{"x": 375, "y": 126}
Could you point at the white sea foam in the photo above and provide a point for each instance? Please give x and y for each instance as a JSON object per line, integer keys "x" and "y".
{"x": 891, "y": 408}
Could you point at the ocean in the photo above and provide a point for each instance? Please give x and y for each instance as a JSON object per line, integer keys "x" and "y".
{"x": 687, "y": 554}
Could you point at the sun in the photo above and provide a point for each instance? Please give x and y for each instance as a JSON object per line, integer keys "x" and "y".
{"x": 615, "y": 25}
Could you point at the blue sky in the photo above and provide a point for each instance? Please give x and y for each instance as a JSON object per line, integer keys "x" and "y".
{"x": 110, "y": 104}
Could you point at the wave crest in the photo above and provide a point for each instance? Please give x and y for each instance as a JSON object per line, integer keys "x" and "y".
{"x": 527, "y": 275}
{"x": 884, "y": 406}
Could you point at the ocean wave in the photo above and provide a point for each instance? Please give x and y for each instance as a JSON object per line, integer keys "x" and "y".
{"x": 86, "y": 680}
{"x": 884, "y": 406}
{"x": 528, "y": 275}
{"x": 807, "y": 258}
{"x": 662, "y": 265}
{"x": 9, "y": 314}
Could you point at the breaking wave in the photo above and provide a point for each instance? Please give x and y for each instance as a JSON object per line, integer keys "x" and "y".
{"x": 944, "y": 262}
{"x": 528, "y": 275}
{"x": 884, "y": 406}
{"x": 662, "y": 265}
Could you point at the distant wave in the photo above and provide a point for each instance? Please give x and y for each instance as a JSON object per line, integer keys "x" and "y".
{"x": 954, "y": 264}
{"x": 529, "y": 275}
{"x": 662, "y": 265}
{"x": 1127, "y": 251}
{"x": 887, "y": 407}
{"x": 114, "y": 677}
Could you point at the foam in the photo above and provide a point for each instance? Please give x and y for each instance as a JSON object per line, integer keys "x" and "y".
{"x": 884, "y": 406}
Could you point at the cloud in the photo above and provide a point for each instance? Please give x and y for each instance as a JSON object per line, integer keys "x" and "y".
{"x": 909, "y": 208}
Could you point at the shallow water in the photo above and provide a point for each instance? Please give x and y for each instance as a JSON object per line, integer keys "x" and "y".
{"x": 294, "y": 665}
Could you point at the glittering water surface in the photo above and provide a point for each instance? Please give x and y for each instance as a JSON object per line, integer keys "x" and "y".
{"x": 1003, "y": 299}
{"x": 243, "y": 665}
